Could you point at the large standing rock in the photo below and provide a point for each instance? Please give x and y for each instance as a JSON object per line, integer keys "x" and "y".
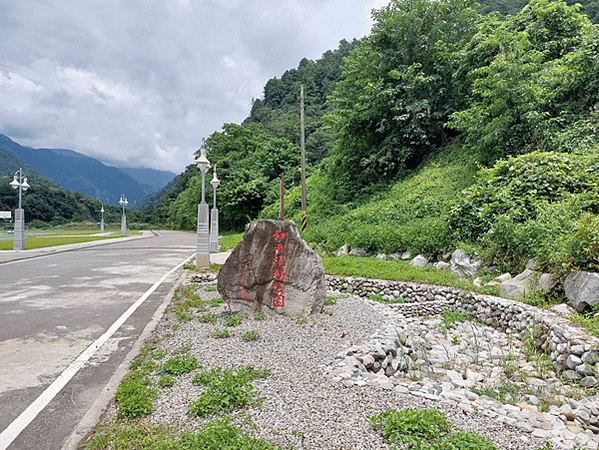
{"x": 518, "y": 287}
{"x": 582, "y": 289}
{"x": 273, "y": 268}
{"x": 462, "y": 265}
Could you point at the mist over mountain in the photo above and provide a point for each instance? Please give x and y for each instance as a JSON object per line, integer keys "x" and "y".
{"x": 77, "y": 172}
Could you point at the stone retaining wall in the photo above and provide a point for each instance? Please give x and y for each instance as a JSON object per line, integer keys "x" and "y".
{"x": 575, "y": 352}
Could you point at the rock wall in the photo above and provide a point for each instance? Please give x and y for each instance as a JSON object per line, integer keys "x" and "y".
{"x": 575, "y": 352}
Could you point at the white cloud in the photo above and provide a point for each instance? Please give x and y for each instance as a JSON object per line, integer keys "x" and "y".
{"x": 141, "y": 82}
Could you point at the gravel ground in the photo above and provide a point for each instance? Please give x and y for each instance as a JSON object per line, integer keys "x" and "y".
{"x": 300, "y": 408}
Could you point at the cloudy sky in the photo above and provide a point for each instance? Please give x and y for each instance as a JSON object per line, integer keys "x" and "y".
{"x": 138, "y": 83}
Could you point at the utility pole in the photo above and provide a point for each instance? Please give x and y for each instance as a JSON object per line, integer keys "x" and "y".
{"x": 303, "y": 147}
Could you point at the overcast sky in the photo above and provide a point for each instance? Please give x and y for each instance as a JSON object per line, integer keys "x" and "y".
{"x": 138, "y": 83}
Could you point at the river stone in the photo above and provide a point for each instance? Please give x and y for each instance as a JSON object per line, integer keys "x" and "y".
{"x": 518, "y": 287}
{"x": 462, "y": 265}
{"x": 273, "y": 269}
{"x": 582, "y": 289}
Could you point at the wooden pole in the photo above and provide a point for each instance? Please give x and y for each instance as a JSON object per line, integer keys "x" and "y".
{"x": 303, "y": 147}
{"x": 283, "y": 196}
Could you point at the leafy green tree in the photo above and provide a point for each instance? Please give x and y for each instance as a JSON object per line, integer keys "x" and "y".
{"x": 528, "y": 78}
{"x": 397, "y": 93}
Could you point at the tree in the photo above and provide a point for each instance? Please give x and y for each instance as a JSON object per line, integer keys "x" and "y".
{"x": 528, "y": 79}
{"x": 397, "y": 91}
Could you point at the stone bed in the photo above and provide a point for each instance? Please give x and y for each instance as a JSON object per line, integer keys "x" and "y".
{"x": 574, "y": 351}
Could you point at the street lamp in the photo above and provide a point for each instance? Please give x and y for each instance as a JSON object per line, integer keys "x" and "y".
{"x": 20, "y": 182}
{"x": 214, "y": 217}
{"x": 102, "y": 221}
{"x": 123, "y": 201}
{"x": 203, "y": 243}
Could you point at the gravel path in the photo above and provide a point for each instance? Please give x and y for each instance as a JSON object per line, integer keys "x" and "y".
{"x": 300, "y": 407}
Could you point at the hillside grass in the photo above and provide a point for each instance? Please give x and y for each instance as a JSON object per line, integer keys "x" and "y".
{"x": 33, "y": 242}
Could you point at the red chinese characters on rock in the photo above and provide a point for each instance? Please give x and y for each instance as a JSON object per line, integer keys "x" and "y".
{"x": 244, "y": 276}
{"x": 278, "y": 270}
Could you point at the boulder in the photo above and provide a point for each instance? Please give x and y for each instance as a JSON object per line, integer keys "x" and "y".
{"x": 547, "y": 282}
{"x": 519, "y": 286}
{"x": 343, "y": 251}
{"x": 358, "y": 252}
{"x": 563, "y": 310}
{"x": 441, "y": 265}
{"x": 273, "y": 269}
{"x": 462, "y": 265}
{"x": 582, "y": 289}
{"x": 419, "y": 261}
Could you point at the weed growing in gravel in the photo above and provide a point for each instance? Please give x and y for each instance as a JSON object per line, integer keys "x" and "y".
{"x": 450, "y": 316}
{"x": 220, "y": 334}
{"x": 134, "y": 395}
{"x": 330, "y": 301}
{"x": 189, "y": 266}
{"x": 183, "y": 316}
{"x": 159, "y": 353}
{"x": 234, "y": 320}
{"x": 209, "y": 288}
{"x": 208, "y": 318}
{"x": 260, "y": 315}
{"x": 226, "y": 389}
{"x": 125, "y": 435}
{"x": 504, "y": 392}
{"x": 252, "y": 335}
{"x": 166, "y": 381}
{"x": 143, "y": 366}
{"x": 184, "y": 348}
{"x": 179, "y": 365}
{"x": 216, "y": 302}
{"x": 426, "y": 429}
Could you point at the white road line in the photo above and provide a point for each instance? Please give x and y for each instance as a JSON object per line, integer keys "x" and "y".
{"x": 27, "y": 416}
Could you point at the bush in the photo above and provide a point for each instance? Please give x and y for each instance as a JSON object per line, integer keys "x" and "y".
{"x": 39, "y": 224}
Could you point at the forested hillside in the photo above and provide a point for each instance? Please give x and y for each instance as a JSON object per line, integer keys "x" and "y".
{"x": 444, "y": 127}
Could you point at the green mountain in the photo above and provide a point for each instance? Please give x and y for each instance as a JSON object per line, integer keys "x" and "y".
{"x": 77, "y": 172}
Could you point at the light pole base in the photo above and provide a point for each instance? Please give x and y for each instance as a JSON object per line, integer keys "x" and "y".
{"x": 124, "y": 226}
{"x": 19, "y": 235}
{"x": 102, "y": 226}
{"x": 203, "y": 243}
{"x": 214, "y": 247}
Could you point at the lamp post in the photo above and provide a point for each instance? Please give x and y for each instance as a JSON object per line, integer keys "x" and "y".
{"x": 214, "y": 247}
{"x": 20, "y": 182}
{"x": 102, "y": 221}
{"x": 203, "y": 244}
{"x": 123, "y": 201}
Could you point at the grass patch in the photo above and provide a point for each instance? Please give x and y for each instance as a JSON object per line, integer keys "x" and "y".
{"x": 226, "y": 389}
{"x": 425, "y": 429}
{"x": 230, "y": 241}
{"x": 260, "y": 315}
{"x": 208, "y": 318}
{"x": 216, "y": 302}
{"x": 233, "y": 321}
{"x": 134, "y": 395}
{"x": 351, "y": 266}
{"x": 139, "y": 434}
{"x": 220, "y": 334}
{"x": 330, "y": 301}
{"x": 53, "y": 241}
{"x": 251, "y": 335}
{"x": 179, "y": 365}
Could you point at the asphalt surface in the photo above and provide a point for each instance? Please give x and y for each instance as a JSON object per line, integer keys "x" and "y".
{"x": 70, "y": 320}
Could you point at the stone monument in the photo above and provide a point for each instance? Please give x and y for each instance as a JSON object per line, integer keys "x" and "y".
{"x": 273, "y": 269}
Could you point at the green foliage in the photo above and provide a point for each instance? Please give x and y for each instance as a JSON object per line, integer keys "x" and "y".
{"x": 134, "y": 396}
{"x": 260, "y": 315}
{"x": 233, "y": 320}
{"x": 216, "y": 302}
{"x": 226, "y": 389}
{"x": 179, "y": 365}
{"x": 426, "y": 429}
{"x": 539, "y": 205}
{"x": 220, "y": 334}
{"x": 208, "y": 318}
{"x": 166, "y": 381}
{"x": 127, "y": 435}
{"x": 251, "y": 335}
{"x": 529, "y": 78}
{"x": 410, "y": 425}
{"x": 397, "y": 92}
{"x": 330, "y": 301}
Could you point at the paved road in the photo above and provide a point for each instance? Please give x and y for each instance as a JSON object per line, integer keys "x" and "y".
{"x": 61, "y": 340}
